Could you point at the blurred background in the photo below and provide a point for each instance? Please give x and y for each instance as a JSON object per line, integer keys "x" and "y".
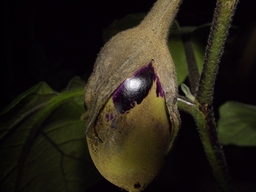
{"x": 55, "y": 40}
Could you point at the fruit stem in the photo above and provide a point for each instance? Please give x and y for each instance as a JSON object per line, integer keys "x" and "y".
{"x": 160, "y": 17}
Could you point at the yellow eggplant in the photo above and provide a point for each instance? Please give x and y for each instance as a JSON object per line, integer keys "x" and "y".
{"x": 131, "y": 99}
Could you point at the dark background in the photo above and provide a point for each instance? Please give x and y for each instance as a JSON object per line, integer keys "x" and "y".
{"x": 55, "y": 40}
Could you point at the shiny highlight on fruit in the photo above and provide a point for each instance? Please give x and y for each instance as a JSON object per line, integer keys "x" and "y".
{"x": 131, "y": 100}
{"x": 134, "y": 132}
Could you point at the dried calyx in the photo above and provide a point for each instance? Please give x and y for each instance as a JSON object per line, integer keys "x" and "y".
{"x": 132, "y": 118}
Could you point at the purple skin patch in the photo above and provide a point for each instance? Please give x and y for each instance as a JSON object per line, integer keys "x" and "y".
{"x": 159, "y": 89}
{"x": 133, "y": 90}
{"x": 109, "y": 117}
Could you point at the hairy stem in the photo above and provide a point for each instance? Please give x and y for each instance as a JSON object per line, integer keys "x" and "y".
{"x": 213, "y": 149}
{"x": 201, "y": 109}
{"x": 194, "y": 75}
{"x": 223, "y": 14}
{"x": 161, "y": 17}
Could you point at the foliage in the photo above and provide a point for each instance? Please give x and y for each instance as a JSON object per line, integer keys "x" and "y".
{"x": 42, "y": 137}
{"x": 43, "y": 143}
{"x": 237, "y": 124}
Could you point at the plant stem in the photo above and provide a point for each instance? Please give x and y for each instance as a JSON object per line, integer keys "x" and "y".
{"x": 161, "y": 16}
{"x": 213, "y": 149}
{"x": 223, "y": 14}
{"x": 202, "y": 109}
{"x": 194, "y": 75}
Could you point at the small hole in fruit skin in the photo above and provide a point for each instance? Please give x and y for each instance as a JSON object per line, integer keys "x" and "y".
{"x": 137, "y": 185}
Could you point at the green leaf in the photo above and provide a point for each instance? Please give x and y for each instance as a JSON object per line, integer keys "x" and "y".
{"x": 75, "y": 83}
{"x": 177, "y": 51}
{"x": 237, "y": 124}
{"x": 40, "y": 89}
{"x": 185, "y": 89}
{"x": 46, "y": 150}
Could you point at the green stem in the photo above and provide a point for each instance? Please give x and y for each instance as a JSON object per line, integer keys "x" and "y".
{"x": 223, "y": 14}
{"x": 213, "y": 149}
{"x": 201, "y": 110}
{"x": 194, "y": 75}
